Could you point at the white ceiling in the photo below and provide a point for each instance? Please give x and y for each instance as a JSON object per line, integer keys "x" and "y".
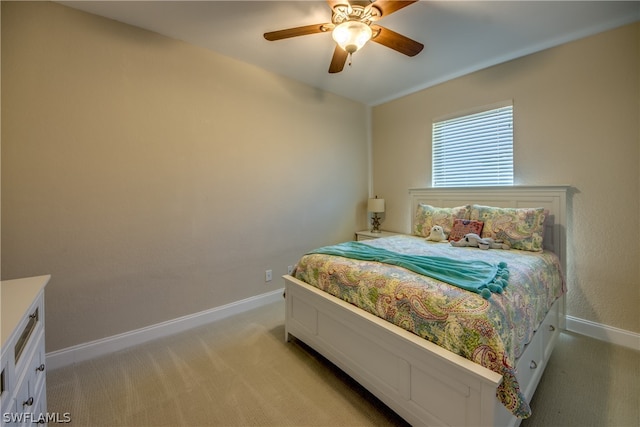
{"x": 459, "y": 36}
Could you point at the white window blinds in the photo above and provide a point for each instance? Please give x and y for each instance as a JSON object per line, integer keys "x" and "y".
{"x": 474, "y": 150}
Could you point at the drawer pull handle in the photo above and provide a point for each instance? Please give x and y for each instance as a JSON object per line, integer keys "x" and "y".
{"x": 28, "y": 402}
{"x": 533, "y": 364}
{"x": 552, "y": 328}
{"x": 40, "y": 368}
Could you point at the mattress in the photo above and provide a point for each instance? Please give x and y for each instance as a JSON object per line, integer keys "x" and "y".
{"x": 492, "y": 332}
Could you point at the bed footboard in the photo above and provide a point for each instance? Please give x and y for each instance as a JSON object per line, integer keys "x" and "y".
{"x": 423, "y": 383}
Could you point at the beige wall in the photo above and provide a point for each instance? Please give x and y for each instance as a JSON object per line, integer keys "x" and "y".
{"x": 576, "y": 110}
{"x": 154, "y": 179}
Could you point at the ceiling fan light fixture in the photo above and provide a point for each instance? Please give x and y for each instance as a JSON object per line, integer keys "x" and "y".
{"x": 352, "y": 35}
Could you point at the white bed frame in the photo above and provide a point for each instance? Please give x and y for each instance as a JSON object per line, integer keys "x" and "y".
{"x": 423, "y": 383}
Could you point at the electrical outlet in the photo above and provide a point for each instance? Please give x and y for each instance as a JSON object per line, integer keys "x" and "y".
{"x": 268, "y": 275}
{"x": 290, "y": 269}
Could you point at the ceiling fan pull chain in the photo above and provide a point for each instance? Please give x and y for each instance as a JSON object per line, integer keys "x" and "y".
{"x": 350, "y": 56}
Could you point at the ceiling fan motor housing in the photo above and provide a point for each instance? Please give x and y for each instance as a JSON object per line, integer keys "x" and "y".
{"x": 344, "y": 13}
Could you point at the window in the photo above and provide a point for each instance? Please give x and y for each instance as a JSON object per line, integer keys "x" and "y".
{"x": 474, "y": 149}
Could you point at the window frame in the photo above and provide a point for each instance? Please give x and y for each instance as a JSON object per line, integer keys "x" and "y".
{"x": 464, "y": 148}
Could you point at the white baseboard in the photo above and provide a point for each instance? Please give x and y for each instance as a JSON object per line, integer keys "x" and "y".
{"x": 78, "y": 353}
{"x": 604, "y": 332}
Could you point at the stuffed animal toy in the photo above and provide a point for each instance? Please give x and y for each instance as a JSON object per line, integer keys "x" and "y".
{"x": 437, "y": 234}
{"x": 474, "y": 241}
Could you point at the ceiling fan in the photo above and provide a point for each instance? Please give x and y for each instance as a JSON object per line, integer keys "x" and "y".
{"x": 352, "y": 25}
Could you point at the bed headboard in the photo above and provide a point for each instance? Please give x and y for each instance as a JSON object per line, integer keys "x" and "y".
{"x": 552, "y": 198}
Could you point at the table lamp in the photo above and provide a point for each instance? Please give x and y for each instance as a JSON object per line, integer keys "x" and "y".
{"x": 375, "y": 206}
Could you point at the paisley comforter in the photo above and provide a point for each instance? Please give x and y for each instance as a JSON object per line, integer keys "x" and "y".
{"x": 491, "y": 332}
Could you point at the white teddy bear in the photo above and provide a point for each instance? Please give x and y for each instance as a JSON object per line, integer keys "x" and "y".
{"x": 437, "y": 234}
{"x": 474, "y": 241}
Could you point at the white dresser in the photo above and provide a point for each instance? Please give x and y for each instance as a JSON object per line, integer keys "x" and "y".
{"x": 23, "y": 391}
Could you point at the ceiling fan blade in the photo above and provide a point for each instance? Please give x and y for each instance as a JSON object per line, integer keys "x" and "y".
{"x": 295, "y": 32}
{"x": 387, "y": 7}
{"x": 339, "y": 59}
{"x": 396, "y": 41}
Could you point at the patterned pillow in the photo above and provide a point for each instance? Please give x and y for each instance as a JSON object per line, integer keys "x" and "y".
{"x": 461, "y": 227}
{"x": 522, "y": 228}
{"x": 427, "y": 216}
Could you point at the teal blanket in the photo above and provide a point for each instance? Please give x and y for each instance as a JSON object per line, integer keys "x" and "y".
{"x": 476, "y": 276}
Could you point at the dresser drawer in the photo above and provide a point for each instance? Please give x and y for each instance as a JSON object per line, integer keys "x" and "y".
{"x": 30, "y": 339}
{"x": 38, "y": 367}
{"x": 40, "y": 405}
{"x": 7, "y": 380}
{"x": 24, "y": 397}
{"x": 361, "y": 237}
{"x": 32, "y": 379}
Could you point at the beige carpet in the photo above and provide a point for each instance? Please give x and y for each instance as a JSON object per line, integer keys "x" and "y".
{"x": 240, "y": 372}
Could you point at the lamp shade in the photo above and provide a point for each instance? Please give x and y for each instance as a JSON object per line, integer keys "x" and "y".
{"x": 351, "y": 35}
{"x": 375, "y": 205}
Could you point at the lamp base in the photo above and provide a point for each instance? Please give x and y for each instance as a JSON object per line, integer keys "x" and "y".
{"x": 375, "y": 223}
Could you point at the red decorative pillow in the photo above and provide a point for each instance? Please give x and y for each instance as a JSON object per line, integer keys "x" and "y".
{"x": 464, "y": 226}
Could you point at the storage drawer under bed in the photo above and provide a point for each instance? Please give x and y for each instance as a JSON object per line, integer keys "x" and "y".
{"x": 531, "y": 364}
